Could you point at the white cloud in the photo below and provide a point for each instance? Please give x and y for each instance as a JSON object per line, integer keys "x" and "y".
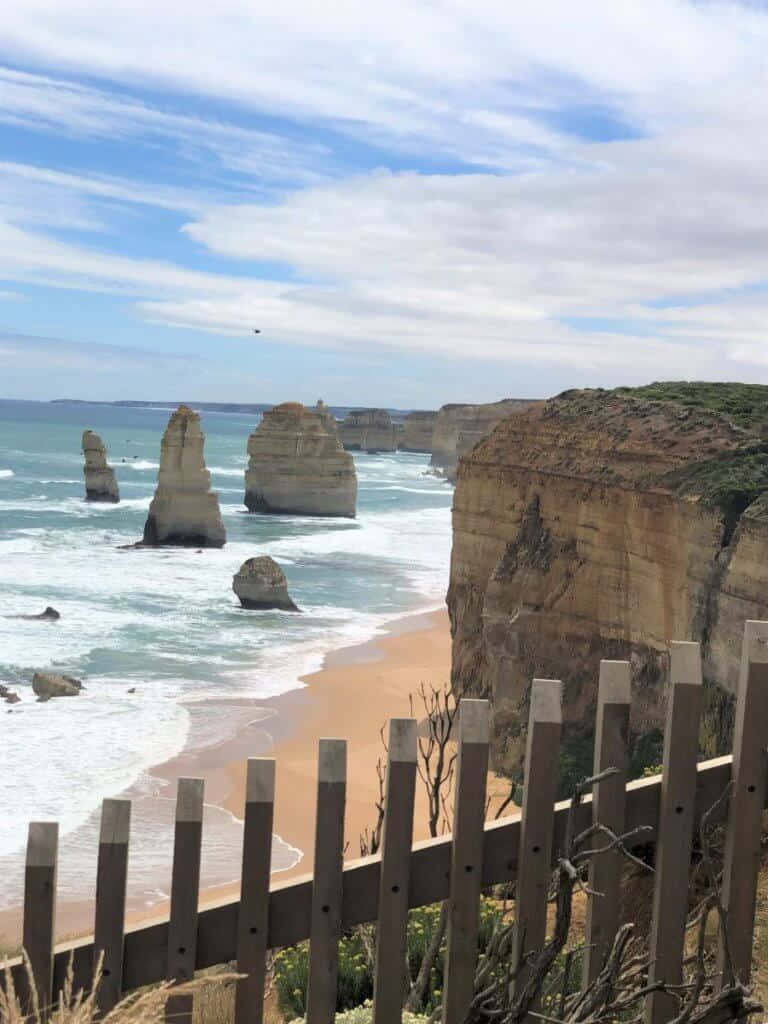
{"x": 55, "y": 104}
{"x": 505, "y": 266}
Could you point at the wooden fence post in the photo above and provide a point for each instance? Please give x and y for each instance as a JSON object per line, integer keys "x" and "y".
{"x": 742, "y": 842}
{"x": 252, "y": 920}
{"x": 109, "y": 920}
{"x": 397, "y": 837}
{"x": 466, "y": 860}
{"x": 40, "y": 911}
{"x": 675, "y": 829}
{"x": 327, "y": 882}
{"x": 542, "y": 759}
{"x": 608, "y": 802}
{"x": 185, "y": 888}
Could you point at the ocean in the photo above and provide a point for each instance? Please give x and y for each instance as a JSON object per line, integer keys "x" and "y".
{"x": 166, "y": 623}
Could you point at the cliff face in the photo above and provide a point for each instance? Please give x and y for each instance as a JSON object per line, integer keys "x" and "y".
{"x": 298, "y": 466}
{"x": 417, "y": 432}
{"x": 368, "y": 430}
{"x": 184, "y": 510}
{"x": 458, "y": 428}
{"x": 600, "y": 525}
{"x": 100, "y": 480}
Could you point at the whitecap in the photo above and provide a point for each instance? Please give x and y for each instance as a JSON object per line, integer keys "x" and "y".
{"x": 5, "y": 473}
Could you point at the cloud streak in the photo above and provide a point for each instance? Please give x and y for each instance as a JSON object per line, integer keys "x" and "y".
{"x": 605, "y": 209}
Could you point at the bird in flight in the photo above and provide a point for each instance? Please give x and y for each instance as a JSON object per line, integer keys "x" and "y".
{"x": 256, "y": 330}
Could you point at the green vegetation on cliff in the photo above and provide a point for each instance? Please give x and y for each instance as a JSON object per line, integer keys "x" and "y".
{"x": 731, "y": 481}
{"x": 745, "y": 404}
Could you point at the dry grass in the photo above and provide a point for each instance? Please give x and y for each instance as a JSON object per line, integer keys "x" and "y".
{"x": 214, "y": 1000}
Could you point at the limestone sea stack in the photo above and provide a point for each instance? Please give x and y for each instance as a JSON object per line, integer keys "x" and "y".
{"x": 368, "y": 430}
{"x": 184, "y": 511}
{"x": 297, "y": 465}
{"x": 417, "y": 432}
{"x": 261, "y": 583}
{"x": 100, "y": 480}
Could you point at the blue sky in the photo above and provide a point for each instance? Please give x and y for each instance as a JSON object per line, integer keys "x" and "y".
{"x": 419, "y": 204}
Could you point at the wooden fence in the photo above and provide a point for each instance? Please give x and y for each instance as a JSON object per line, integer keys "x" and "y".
{"x": 458, "y": 866}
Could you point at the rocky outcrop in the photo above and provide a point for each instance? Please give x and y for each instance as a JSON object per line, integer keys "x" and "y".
{"x": 417, "y": 432}
{"x": 297, "y": 465}
{"x": 47, "y": 615}
{"x": 184, "y": 510}
{"x": 8, "y": 695}
{"x": 600, "y": 525}
{"x": 261, "y": 583}
{"x": 100, "y": 480}
{"x": 458, "y": 428}
{"x": 50, "y": 684}
{"x": 368, "y": 430}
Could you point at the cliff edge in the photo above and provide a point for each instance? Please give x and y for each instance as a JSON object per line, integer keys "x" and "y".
{"x": 605, "y": 525}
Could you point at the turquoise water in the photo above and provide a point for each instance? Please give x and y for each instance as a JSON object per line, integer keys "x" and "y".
{"x": 165, "y": 621}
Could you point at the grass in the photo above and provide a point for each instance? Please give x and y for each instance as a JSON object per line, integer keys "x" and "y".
{"x": 745, "y": 404}
{"x": 145, "y": 1006}
{"x": 730, "y": 482}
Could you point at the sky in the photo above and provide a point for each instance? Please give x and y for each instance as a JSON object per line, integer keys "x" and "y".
{"x": 414, "y": 202}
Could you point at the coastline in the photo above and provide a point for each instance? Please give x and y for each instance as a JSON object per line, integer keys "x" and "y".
{"x": 354, "y": 694}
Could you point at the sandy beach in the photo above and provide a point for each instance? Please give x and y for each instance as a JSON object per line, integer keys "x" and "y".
{"x": 353, "y": 696}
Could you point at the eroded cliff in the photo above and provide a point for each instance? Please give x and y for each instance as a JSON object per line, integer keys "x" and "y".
{"x": 417, "y": 432}
{"x": 603, "y": 524}
{"x": 458, "y": 428}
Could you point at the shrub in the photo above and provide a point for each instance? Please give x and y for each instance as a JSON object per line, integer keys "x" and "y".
{"x": 363, "y": 1014}
{"x": 355, "y": 984}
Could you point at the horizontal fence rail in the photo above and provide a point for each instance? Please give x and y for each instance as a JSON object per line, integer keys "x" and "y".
{"x": 452, "y": 869}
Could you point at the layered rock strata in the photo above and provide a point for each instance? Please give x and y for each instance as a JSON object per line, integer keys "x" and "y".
{"x": 100, "y": 480}
{"x": 599, "y": 525}
{"x": 184, "y": 510}
{"x": 297, "y": 465}
{"x": 261, "y": 583}
{"x": 368, "y": 430}
{"x": 458, "y": 428}
{"x": 417, "y": 432}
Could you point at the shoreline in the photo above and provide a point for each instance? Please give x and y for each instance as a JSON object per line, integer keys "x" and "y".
{"x": 410, "y": 650}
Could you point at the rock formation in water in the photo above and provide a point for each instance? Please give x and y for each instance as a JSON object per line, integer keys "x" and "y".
{"x": 48, "y": 615}
{"x": 184, "y": 510}
{"x": 297, "y": 465}
{"x": 100, "y": 480}
{"x": 605, "y": 525}
{"x": 8, "y": 695}
{"x": 368, "y": 430}
{"x": 417, "y": 432}
{"x": 261, "y": 583}
{"x": 458, "y": 428}
{"x": 51, "y": 684}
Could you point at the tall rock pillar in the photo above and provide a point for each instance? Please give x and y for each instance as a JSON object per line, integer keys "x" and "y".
{"x": 184, "y": 510}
